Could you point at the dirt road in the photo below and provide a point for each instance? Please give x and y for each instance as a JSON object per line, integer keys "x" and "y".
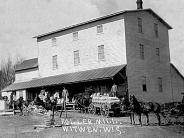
{"x": 78, "y": 125}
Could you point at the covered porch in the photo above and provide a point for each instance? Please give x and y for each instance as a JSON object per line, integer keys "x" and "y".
{"x": 96, "y": 80}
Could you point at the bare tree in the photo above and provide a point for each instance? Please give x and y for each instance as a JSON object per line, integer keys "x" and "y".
{"x": 7, "y": 71}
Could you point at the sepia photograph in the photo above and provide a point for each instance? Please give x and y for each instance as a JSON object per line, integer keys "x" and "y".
{"x": 91, "y": 69}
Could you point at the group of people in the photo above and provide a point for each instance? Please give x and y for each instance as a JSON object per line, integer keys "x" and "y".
{"x": 44, "y": 97}
{"x": 113, "y": 92}
{"x": 13, "y": 103}
{"x": 57, "y": 97}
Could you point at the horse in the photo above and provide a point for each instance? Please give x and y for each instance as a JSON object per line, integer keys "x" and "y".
{"x": 82, "y": 101}
{"x": 46, "y": 101}
{"x": 144, "y": 108}
{"x": 38, "y": 101}
{"x": 18, "y": 104}
{"x": 79, "y": 101}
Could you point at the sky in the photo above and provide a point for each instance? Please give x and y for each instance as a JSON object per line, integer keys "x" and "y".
{"x": 21, "y": 20}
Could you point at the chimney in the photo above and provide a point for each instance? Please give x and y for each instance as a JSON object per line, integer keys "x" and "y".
{"x": 139, "y": 4}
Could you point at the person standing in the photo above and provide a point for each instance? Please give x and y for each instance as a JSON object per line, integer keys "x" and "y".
{"x": 20, "y": 104}
{"x": 114, "y": 90}
{"x": 64, "y": 96}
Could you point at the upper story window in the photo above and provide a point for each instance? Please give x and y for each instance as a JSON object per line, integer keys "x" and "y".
{"x": 99, "y": 29}
{"x": 101, "y": 55}
{"x": 54, "y": 62}
{"x": 141, "y": 49}
{"x": 158, "y": 54}
{"x": 160, "y": 88}
{"x": 156, "y": 29}
{"x": 54, "y": 41}
{"x": 76, "y": 58}
{"x": 75, "y": 36}
{"x": 144, "y": 87}
{"x": 139, "y": 21}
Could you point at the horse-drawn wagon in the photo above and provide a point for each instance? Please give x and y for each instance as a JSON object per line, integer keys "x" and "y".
{"x": 104, "y": 105}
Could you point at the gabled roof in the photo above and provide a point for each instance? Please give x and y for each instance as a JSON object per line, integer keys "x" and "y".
{"x": 76, "y": 77}
{"x": 105, "y": 17}
{"x": 27, "y": 64}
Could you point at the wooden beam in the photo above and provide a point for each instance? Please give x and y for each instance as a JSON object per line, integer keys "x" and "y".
{"x": 124, "y": 77}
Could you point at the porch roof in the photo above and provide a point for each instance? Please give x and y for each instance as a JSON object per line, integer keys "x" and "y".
{"x": 27, "y": 64}
{"x": 76, "y": 77}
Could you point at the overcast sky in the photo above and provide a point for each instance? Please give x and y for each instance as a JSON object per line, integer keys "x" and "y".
{"x": 20, "y": 20}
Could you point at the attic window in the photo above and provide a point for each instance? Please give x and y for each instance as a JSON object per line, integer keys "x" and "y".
{"x": 53, "y": 41}
{"x": 99, "y": 29}
{"x": 139, "y": 21}
{"x": 156, "y": 29}
{"x": 75, "y": 36}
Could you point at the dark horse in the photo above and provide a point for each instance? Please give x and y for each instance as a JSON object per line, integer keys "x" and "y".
{"x": 18, "y": 104}
{"x": 48, "y": 104}
{"x": 144, "y": 108}
{"x": 83, "y": 101}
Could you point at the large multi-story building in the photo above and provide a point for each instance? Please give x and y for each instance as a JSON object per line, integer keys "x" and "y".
{"x": 130, "y": 48}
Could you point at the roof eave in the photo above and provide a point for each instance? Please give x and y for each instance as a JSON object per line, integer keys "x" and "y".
{"x": 168, "y": 26}
{"x": 177, "y": 71}
{"x": 150, "y": 10}
{"x": 17, "y": 70}
{"x": 97, "y": 79}
{"x": 83, "y": 23}
{"x": 103, "y": 74}
{"x": 104, "y": 17}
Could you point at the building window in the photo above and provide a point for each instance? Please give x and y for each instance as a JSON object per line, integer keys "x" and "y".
{"x": 101, "y": 53}
{"x": 158, "y": 54}
{"x": 75, "y": 36}
{"x": 144, "y": 88}
{"x": 156, "y": 29}
{"x": 99, "y": 29}
{"x": 76, "y": 58}
{"x": 54, "y": 41}
{"x": 54, "y": 62}
{"x": 139, "y": 25}
{"x": 141, "y": 48}
{"x": 160, "y": 88}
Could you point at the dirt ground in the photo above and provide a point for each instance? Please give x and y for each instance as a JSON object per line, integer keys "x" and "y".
{"x": 78, "y": 125}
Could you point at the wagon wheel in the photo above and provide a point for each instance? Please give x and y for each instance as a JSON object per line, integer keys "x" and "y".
{"x": 106, "y": 110}
{"x": 91, "y": 109}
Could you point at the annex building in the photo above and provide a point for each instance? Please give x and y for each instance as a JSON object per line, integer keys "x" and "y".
{"x": 129, "y": 48}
